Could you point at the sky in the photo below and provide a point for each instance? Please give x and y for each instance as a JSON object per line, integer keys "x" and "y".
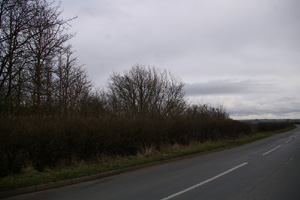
{"x": 241, "y": 54}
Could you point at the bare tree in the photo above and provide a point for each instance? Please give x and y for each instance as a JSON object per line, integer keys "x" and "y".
{"x": 48, "y": 38}
{"x": 32, "y": 34}
{"x": 145, "y": 92}
{"x": 71, "y": 83}
{"x": 16, "y": 17}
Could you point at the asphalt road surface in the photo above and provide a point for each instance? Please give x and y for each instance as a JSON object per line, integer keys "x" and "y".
{"x": 265, "y": 169}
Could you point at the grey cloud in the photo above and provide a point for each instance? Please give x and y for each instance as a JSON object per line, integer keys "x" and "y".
{"x": 229, "y": 87}
{"x": 270, "y": 107}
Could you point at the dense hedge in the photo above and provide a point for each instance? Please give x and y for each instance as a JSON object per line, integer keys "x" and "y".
{"x": 271, "y": 126}
{"x": 44, "y": 142}
{"x": 47, "y": 142}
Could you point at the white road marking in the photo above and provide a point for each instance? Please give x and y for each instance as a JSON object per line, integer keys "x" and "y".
{"x": 204, "y": 182}
{"x": 271, "y": 150}
{"x": 288, "y": 141}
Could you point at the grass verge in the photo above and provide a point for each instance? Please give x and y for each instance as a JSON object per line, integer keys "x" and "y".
{"x": 31, "y": 177}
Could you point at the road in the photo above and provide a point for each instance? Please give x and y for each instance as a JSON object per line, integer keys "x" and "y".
{"x": 265, "y": 169}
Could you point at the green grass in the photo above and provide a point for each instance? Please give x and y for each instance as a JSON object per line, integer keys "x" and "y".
{"x": 31, "y": 177}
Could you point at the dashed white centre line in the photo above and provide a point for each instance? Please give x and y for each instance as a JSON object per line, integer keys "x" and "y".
{"x": 288, "y": 141}
{"x": 204, "y": 182}
{"x": 271, "y": 150}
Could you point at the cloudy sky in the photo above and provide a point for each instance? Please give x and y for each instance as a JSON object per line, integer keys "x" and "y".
{"x": 244, "y": 55}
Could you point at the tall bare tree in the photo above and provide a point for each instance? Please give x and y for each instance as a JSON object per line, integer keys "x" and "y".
{"x": 146, "y": 92}
{"x": 48, "y": 39}
{"x": 32, "y": 35}
{"x": 15, "y": 21}
{"x": 71, "y": 83}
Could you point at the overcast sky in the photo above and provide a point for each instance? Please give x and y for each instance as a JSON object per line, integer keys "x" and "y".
{"x": 242, "y": 54}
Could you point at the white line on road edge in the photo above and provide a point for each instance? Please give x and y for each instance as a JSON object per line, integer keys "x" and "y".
{"x": 271, "y": 150}
{"x": 204, "y": 182}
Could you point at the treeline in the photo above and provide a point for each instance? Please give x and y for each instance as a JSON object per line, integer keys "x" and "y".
{"x": 40, "y": 76}
{"x": 50, "y": 114}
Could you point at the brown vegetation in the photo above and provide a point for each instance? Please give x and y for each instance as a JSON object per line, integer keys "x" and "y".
{"x": 48, "y": 141}
{"x": 50, "y": 115}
